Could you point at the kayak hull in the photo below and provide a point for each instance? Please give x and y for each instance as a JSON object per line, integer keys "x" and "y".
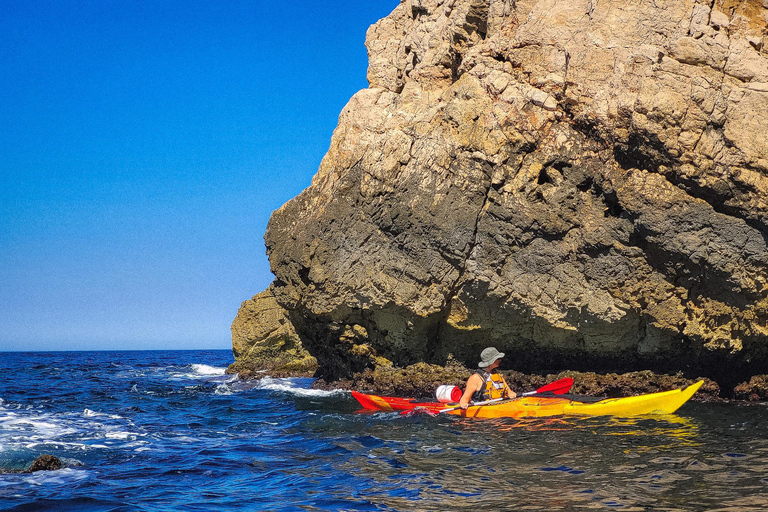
{"x": 664, "y": 402}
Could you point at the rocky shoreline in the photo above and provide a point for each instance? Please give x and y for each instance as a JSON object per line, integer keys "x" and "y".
{"x": 420, "y": 380}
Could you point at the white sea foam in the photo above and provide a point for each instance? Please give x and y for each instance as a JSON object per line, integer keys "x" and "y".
{"x": 88, "y": 413}
{"x": 58, "y": 477}
{"x": 34, "y": 428}
{"x": 197, "y": 371}
{"x": 294, "y": 387}
{"x": 121, "y": 435}
{"x": 51, "y": 444}
{"x": 206, "y": 370}
{"x": 223, "y": 389}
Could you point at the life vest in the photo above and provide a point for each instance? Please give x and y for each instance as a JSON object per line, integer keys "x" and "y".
{"x": 493, "y": 386}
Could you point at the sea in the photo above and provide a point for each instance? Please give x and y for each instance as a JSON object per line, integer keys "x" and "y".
{"x": 170, "y": 431}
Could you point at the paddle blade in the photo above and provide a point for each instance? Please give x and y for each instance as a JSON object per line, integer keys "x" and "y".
{"x": 557, "y": 387}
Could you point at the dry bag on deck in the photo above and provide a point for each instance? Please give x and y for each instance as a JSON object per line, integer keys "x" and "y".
{"x": 448, "y": 394}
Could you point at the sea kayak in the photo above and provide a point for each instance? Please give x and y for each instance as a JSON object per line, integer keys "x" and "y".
{"x": 536, "y": 406}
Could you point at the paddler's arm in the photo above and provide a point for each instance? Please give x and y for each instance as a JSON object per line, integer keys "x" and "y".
{"x": 473, "y": 385}
{"x": 507, "y": 390}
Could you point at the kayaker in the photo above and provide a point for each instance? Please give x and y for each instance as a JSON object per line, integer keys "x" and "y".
{"x": 486, "y": 383}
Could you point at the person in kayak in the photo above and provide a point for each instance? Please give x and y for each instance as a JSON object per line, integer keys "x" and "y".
{"x": 486, "y": 383}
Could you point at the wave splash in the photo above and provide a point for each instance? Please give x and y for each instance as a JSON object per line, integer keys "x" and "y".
{"x": 206, "y": 370}
{"x": 297, "y": 386}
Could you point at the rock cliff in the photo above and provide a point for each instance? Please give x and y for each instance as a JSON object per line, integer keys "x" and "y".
{"x": 580, "y": 183}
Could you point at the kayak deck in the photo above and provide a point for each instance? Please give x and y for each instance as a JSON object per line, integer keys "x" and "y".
{"x": 664, "y": 402}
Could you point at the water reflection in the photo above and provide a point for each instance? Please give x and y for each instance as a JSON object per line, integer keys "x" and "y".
{"x": 697, "y": 461}
{"x": 665, "y": 432}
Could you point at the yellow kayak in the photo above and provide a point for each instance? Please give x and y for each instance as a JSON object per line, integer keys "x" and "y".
{"x": 664, "y": 402}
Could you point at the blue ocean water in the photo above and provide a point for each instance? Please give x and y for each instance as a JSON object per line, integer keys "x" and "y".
{"x": 169, "y": 431}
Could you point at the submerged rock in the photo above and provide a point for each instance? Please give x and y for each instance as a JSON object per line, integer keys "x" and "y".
{"x": 45, "y": 463}
{"x": 581, "y": 184}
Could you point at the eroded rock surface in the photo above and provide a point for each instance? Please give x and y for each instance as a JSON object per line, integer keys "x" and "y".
{"x": 264, "y": 340}
{"x": 583, "y": 184}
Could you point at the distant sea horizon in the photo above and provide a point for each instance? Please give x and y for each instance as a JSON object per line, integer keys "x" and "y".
{"x": 43, "y": 351}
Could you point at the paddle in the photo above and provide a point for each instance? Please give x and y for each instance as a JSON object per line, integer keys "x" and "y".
{"x": 472, "y": 404}
{"x": 557, "y": 387}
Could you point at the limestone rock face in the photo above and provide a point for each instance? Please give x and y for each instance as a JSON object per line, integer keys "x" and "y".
{"x": 581, "y": 184}
{"x": 263, "y": 338}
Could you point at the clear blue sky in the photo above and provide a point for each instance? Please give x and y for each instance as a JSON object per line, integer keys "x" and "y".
{"x": 143, "y": 146}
